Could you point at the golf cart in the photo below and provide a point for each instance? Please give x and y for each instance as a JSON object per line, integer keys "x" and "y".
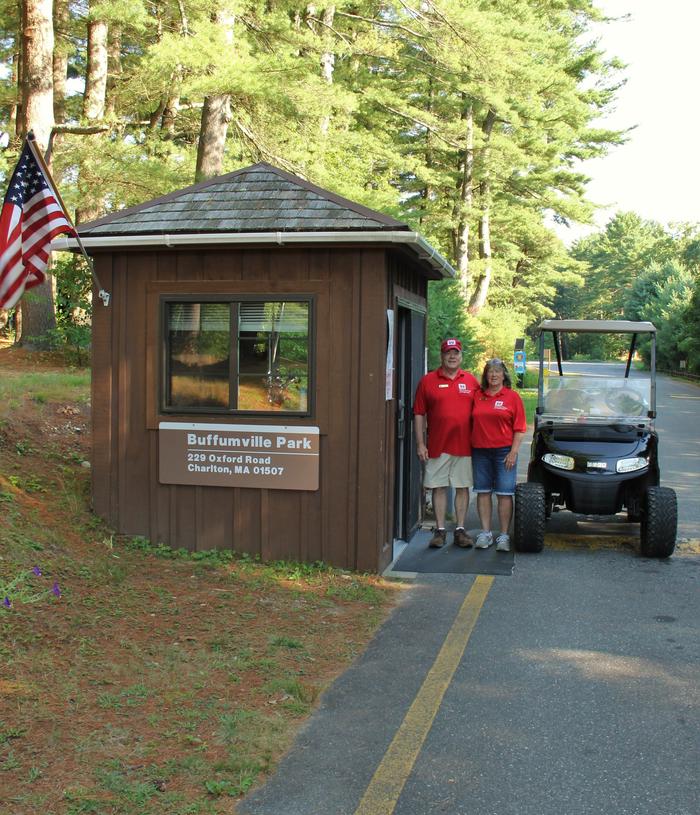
{"x": 594, "y": 448}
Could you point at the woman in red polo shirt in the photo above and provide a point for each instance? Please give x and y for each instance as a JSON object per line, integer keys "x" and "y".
{"x": 498, "y": 427}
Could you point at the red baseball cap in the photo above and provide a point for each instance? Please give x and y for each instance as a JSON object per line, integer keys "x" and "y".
{"x": 450, "y": 345}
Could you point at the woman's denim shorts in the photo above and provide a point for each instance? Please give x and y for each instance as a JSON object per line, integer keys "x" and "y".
{"x": 490, "y": 474}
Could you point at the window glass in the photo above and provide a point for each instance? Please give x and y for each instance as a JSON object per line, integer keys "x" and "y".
{"x": 273, "y": 356}
{"x": 267, "y": 358}
{"x": 199, "y": 346}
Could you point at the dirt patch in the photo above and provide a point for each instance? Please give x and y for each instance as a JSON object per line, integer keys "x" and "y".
{"x": 14, "y": 358}
{"x": 156, "y": 682}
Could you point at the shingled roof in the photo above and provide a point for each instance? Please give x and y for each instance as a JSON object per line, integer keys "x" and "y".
{"x": 260, "y": 198}
{"x": 259, "y": 205}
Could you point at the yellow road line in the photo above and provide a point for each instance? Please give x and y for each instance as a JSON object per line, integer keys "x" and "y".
{"x": 392, "y": 773}
{"x": 689, "y": 546}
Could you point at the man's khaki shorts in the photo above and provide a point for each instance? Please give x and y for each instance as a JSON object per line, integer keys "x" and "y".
{"x": 448, "y": 471}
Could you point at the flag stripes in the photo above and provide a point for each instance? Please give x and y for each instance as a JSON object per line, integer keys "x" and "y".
{"x": 31, "y": 218}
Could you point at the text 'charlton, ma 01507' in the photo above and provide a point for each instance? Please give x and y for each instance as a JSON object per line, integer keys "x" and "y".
{"x": 254, "y": 456}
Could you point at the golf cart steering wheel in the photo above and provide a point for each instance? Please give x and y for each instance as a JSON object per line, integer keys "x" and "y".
{"x": 626, "y": 402}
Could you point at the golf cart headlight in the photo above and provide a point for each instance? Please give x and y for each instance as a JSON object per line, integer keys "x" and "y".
{"x": 563, "y": 462}
{"x": 629, "y": 465}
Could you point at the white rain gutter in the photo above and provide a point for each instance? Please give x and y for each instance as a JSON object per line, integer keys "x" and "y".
{"x": 411, "y": 239}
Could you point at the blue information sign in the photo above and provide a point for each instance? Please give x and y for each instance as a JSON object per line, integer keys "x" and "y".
{"x": 519, "y": 361}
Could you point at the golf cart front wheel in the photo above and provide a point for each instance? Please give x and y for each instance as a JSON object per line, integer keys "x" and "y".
{"x": 530, "y": 511}
{"x": 659, "y": 522}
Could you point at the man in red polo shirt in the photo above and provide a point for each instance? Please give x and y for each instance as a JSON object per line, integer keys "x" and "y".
{"x": 443, "y": 407}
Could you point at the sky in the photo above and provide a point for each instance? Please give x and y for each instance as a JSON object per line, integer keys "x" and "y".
{"x": 657, "y": 172}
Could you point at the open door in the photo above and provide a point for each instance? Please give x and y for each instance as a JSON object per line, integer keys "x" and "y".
{"x": 410, "y": 367}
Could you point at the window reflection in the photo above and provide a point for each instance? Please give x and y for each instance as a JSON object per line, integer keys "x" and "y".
{"x": 199, "y": 343}
{"x": 268, "y": 360}
{"x": 273, "y": 356}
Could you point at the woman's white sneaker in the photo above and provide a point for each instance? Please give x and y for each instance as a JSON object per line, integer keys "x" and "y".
{"x": 483, "y": 540}
{"x": 503, "y": 543}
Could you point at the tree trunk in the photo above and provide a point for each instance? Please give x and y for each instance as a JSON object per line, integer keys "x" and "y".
{"x": 114, "y": 68}
{"x": 83, "y": 214}
{"x": 172, "y": 106}
{"x": 14, "y": 122}
{"x": 38, "y": 314}
{"x": 464, "y": 203}
{"x": 216, "y": 115}
{"x": 94, "y": 107}
{"x": 481, "y": 293}
{"x": 427, "y": 191}
{"x": 328, "y": 57}
{"x": 157, "y": 114}
{"x": 96, "y": 71}
{"x": 327, "y": 62}
{"x": 37, "y": 69}
{"x": 61, "y": 23}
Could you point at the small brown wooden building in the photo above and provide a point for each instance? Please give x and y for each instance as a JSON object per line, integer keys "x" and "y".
{"x": 254, "y": 371}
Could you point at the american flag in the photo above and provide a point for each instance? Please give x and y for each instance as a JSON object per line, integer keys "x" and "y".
{"x": 32, "y": 216}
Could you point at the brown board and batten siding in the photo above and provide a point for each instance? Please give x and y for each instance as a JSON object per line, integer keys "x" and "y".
{"x": 345, "y": 521}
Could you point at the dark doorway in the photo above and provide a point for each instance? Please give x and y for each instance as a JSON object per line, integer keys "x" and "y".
{"x": 410, "y": 367}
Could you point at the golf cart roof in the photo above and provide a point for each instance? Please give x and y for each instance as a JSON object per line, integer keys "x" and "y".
{"x": 598, "y": 326}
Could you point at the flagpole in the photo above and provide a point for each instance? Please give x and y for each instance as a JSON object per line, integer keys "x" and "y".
{"x": 31, "y": 141}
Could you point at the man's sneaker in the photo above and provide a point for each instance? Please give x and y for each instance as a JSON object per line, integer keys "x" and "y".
{"x": 503, "y": 543}
{"x": 438, "y": 539}
{"x": 462, "y": 539}
{"x": 484, "y": 540}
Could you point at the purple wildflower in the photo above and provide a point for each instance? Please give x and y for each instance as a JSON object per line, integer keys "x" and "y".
{"x": 37, "y": 571}
{"x": 7, "y": 603}
{"x": 55, "y": 589}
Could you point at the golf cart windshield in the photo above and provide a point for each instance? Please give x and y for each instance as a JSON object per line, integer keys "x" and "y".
{"x": 587, "y": 372}
{"x": 605, "y": 399}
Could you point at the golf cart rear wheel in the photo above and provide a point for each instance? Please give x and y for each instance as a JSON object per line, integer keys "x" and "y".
{"x": 659, "y": 522}
{"x": 530, "y": 510}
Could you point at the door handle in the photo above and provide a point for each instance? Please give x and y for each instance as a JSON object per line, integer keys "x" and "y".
{"x": 401, "y": 420}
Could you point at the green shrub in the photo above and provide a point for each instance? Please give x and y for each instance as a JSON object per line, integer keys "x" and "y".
{"x": 73, "y": 308}
{"x": 448, "y": 317}
{"x": 496, "y": 331}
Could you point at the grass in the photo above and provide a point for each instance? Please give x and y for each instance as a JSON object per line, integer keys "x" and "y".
{"x": 46, "y": 386}
{"x": 160, "y": 682}
{"x": 529, "y": 398}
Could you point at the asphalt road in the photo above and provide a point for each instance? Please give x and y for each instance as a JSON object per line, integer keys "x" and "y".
{"x": 678, "y": 423}
{"x": 569, "y": 688}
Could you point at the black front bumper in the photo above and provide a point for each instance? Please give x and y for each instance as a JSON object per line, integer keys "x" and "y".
{"x": 591, "y": 493}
